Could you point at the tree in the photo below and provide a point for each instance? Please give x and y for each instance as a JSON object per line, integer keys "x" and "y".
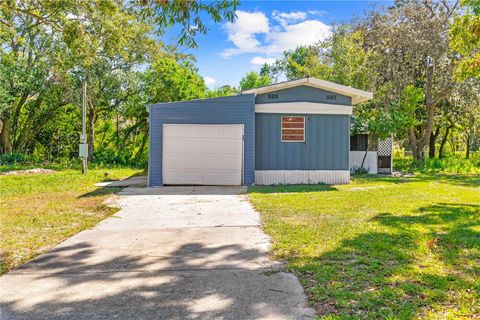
{"x": 465, "y": 40}
{"x": 189, "y": 15}
{"x": 410, "y": 46}
{"x": 466, "y": 100}
{"x": 29, "y": 52}
{"x": 49, "y": 48}
{"x": 253, "y": 80}
{"x": 222, "y": 91}
{"x": 168, "y": 80}
{"x": 62, "y": 17}
{"x": 340, "y": 58}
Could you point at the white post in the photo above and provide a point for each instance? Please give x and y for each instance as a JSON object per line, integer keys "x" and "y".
{"x": 83, "y": 137}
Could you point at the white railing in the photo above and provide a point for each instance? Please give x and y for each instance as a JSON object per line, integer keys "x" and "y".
{"x": 371, "y": 160}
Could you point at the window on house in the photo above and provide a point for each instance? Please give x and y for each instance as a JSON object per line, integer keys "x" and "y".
{"x": 359, "y": 142}
{"x": 293, "y": 129}
{"x": 272, "y": 96}
{"x": 331, "y": 97}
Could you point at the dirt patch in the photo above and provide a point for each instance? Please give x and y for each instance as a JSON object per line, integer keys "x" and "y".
{"x": 29, "y": 171}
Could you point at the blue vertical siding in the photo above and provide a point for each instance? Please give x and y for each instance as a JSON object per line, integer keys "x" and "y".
{"x": 305, "y": 94}
{"x": 326, "y": 145}
{"x": 224, "y": 110}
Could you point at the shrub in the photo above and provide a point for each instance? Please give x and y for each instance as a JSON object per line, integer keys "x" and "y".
{"x": 13, "y": 158}
{"x": 455, "y": 163}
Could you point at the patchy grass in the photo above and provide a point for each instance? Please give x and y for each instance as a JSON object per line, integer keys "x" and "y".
{"x": 37, "y": 211}
{"x": 381, "y": 247}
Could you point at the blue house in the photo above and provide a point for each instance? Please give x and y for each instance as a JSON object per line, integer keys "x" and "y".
{"x": 286, "y": 133}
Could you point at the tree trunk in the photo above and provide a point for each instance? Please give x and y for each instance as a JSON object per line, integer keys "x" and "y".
{"x": 443, "y": 142}
{"x": 418, "y": 148}
{"x": 142, "y": 146}
{"x": 467, "y": 150}
{"x": 363, "y": 160}
{"x": 5, "y": 133}
{"x": 433, "y": 140}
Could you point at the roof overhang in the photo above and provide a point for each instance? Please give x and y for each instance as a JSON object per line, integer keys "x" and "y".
{"x": 358, "y": 96}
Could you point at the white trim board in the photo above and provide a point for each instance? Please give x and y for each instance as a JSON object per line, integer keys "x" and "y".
{"x": 357, "y": 95}
{"x": 272, "y": 177}
{"x": 303, "y": 108}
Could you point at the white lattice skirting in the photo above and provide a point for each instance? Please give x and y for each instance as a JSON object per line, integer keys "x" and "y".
{"x": 269, "y": 177}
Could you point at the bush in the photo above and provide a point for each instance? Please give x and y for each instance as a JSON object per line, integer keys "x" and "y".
{"x": 455, "y": 163}
{"x": 360, "y": 171}
{"x": 13, "y": 158}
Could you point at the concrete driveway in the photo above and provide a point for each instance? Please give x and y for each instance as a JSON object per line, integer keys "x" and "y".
{"x": 170, "y": 253}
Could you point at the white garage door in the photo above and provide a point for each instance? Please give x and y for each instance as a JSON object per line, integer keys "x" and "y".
{"x": 199, "y": 154}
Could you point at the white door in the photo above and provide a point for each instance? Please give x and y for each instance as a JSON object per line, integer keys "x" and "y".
{"x": 202, "y": 154}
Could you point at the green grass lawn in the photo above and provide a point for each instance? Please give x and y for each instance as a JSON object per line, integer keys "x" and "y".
{"x": 37, "y": 211}
{"x": 381, "y": 248}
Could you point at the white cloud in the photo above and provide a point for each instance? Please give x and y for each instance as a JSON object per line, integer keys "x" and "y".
{"x": 293, "y": 35}
{"x": 288, "y": 17}
{"x": 317, "y": 12}
{"x": 262, "y": 60}
{"x": 254, "y": 32}
{"x": 209, "y": 81}
{"x": 242, "y": 32}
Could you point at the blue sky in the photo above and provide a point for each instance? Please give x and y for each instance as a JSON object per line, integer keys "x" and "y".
{"x": 262, "y": 30}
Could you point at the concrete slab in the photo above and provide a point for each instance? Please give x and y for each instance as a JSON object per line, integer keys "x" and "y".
{"x": 138, "y": 181}
{"x": 170, "y": 253}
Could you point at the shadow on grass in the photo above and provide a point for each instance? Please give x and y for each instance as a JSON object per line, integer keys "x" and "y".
{"x": 100, "y": 192}
{"x": 467, "y": 180}
{"x": 392, "y": 273}
{"x": 113, "y": 189}
{"x": 294, "y": 188}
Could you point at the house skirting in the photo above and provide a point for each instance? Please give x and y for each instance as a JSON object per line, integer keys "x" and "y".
{"x": 268, "y": 177}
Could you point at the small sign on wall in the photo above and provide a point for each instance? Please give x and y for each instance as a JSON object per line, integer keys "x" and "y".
{"x": 83, "y": 150}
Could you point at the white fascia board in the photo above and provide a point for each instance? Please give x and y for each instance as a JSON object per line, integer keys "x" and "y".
{"x": 303, "y": 108}
{"x": 277, "y": 86}
{"x": 357, "y": 95}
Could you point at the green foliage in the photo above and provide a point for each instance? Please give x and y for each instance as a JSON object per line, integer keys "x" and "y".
{"x": 167, "y": 80}
{"x": 49, "y": 48}
{"x": 189, "y": 15}
{"x": 340, "y": 58}
{"x": 465, "y": 40}
{"x": 222, "y": 91}
{"x": 13, "y": 158}
{"x": 253, "y": 80}
{"x": 452, "y": 164}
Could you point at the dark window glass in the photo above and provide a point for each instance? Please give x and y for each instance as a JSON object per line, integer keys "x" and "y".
{"x": 272, "y": 96}
{"x": 359, "y": 142}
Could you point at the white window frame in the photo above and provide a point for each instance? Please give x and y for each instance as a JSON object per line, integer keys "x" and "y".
{"x": 281, "y": 128}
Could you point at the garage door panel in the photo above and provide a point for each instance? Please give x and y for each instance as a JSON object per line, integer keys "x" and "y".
{"x": 203, "y": 154}
{"x": 212, "y": 146}
{"x": 206, "y": 177}
{"x": 192, "y": 162}
{"x": 207, "y": 131}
